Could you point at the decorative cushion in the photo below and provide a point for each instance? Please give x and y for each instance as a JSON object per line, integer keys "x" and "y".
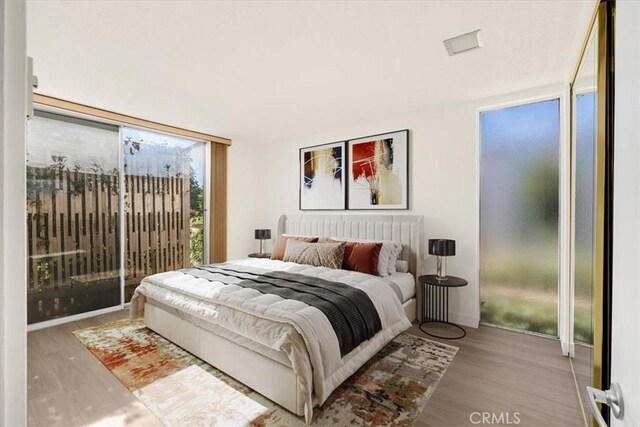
{"x": 281, "y": 244}
{"x": 316, "y": 254}
{"x": 362, "y": 257}
{"x": 389, "y": 253}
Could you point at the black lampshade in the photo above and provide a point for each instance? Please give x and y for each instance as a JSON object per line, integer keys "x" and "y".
{"x": 442, "y": 247}
{"x": 263, "y": 234}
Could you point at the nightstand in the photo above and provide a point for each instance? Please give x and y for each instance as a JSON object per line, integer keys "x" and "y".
{"x": 259, "y": 255}
{"x": 435, "y": 302}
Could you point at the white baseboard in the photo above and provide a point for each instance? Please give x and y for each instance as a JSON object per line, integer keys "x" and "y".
{"x": 464, "y": 320}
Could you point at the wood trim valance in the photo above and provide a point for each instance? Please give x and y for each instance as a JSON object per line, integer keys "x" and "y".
{"x": 50, "y": 101}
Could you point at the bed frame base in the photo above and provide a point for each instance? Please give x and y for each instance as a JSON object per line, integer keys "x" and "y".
{"x": 271, "y": 379}
{"x": 410, "y": 309}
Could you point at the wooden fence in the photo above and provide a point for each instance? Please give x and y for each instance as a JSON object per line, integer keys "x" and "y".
{"x": 156, "y": 226}
{"x": 74, "y": 241}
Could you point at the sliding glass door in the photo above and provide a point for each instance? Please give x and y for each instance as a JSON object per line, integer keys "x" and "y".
{"x": 586, "y": 274}
{"x": 519, "y": 165}
{"x": 73, "y": 216}
{"x": 107, "y": 205}
{"x": 163, "y": 204}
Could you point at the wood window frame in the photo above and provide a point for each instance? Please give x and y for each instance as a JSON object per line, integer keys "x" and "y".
{"x": 218, "y": 163}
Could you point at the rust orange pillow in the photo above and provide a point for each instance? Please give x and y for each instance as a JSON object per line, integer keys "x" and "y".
{"x": 361, "y": 257}
{"x": 281, "y": 244}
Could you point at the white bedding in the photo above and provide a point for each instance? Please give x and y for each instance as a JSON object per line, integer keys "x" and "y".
{"x": 407, "y": 284}
{"x": 300, "y": 331}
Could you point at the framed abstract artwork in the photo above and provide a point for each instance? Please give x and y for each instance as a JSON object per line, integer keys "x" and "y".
{"x": 378, "y": 175}
{"x": 322, "y": 180}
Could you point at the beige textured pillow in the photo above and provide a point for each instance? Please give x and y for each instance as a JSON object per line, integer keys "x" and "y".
{"x": 316, "y": 254}
{"x": 281, "y": 244}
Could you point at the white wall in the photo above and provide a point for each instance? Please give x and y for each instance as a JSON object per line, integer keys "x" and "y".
{"x": 244, "y": 185}
{"x": 625, "y": 352}
{"x": 442, "y": 183}
{"x": 443, "y": 186}
{"x": 13, "y": 319}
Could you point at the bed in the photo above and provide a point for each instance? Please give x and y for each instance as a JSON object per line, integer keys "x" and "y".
{"x": 283, "y": 349}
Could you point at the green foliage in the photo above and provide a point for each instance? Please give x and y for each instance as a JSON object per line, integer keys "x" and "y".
{"x": 196, "y": 241}
{"x": 43, "y": 274}
{"x": 504, "y": 307}
{"x": 517, "y": 310}
{"x": 520, "y": 291}
{"x": 583, "y": 325}
{"x": 516, "y": 268}
{"x": 196, "y": 195}
{"x": 196, "y": 234}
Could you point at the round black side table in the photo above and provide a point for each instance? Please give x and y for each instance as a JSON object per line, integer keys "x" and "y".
{"x": 435, "y": 302}
{"x": 259, "y": 255}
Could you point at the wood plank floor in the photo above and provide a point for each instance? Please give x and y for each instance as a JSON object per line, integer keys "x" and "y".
{"x": 505, "y": 372}
{"x": 495, "y": 371}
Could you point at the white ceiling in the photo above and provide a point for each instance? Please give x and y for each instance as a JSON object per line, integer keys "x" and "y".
{"x": 268, "y": 71}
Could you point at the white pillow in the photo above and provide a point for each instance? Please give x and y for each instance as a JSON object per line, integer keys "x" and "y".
{"x": 389, "y": 253}
{"x": 396, "y": 256}
{"x": 402, "y": 266}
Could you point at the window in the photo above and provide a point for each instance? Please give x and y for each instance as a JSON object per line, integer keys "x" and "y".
{"x": 72, "y": 216}
{"x": 519, "y": 165}
{"x": 108, "y": 204}
{"x": 164, "y": 202}
{"x": 584, "y": 214}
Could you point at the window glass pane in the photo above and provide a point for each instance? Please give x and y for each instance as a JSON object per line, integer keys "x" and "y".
{"x": 519, "y": 216}
{"x": 163, "y": 203}
{"x": 585, "y": 145}
{"x": 72, "y": 217}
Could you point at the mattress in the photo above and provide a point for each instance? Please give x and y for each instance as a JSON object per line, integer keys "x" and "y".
{"x": 404, "y": 281}
{"x": 277, "y": 356}
{"x": 285, "y": 327}
{"x": 407, "y": 284}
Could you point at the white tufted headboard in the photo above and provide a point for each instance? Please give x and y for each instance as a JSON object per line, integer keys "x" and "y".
{"x": 406, "y": 229}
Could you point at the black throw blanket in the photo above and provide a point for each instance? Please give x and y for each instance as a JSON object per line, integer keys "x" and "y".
{"x": 350, "y": 311}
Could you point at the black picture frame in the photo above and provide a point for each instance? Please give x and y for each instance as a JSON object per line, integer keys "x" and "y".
{"x": 355, "y": 197}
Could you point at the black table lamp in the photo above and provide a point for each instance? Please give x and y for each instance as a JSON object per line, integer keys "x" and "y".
{"x": 442, "y": 248}
{"x": 262, "y": 235}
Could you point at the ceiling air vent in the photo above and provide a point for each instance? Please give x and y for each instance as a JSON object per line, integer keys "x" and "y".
{"x": 463, "y": 43}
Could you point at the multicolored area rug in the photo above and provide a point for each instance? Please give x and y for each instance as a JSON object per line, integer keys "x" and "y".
{"x": 182, "y": 390}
